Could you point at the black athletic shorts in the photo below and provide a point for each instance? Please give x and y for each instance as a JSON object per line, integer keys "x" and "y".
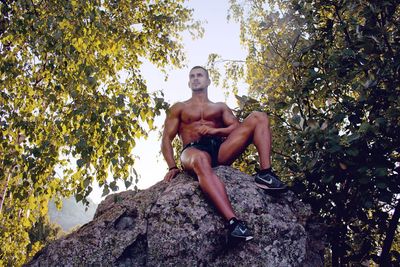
{"x": 209, "y": 144}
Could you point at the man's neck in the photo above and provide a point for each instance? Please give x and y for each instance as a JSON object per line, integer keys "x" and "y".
{"x": 200, "y": 96}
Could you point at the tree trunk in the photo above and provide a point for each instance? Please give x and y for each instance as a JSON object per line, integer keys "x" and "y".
{"x": 3, "y": 191}
{"x": 387, "y": 243}
{"x": 14, "y": 166}
{"x": 335, "y": 256}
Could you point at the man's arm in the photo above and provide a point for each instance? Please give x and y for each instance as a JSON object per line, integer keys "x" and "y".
{"x": 229, "y": 120}
{"x": 171, "y": 126}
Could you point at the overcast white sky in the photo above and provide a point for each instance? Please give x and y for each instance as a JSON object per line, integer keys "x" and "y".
{"x": 221, "y": 37}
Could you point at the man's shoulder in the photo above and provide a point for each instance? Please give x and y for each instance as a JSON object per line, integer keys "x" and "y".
{"x": 221, "y": 105}
{"x": 176, "y": 108}
{"x": 179, "y": 105}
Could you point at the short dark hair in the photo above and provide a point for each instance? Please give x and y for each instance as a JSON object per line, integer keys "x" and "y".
{"x": 200, "y": 67}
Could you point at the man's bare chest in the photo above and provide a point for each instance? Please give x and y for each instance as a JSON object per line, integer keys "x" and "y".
{"x": 193, "y": 113}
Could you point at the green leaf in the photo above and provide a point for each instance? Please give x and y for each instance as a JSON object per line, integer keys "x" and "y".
{"x": 354, "y": 137}
{"x": 334, "y": 148}
{"x": 113, "y": 186}
{"x": 106, "y": 191}
{"x": 352, "y": 151}
{"x": 339, "y": 117}
{"x": 127, "y": 183}
{"x": 312, "y": 163}
{"x": 281, "y": 105}
{"x": 364, "y": 128}
{"x": 80, "y": 162}
{"x": 78, "y": 197}
{"x": 91, "y": 81}
{"x": 87, "y": 182}
{"x": 368, "y": 204}
{"x": 327, "y": 179}
{"x": 381, "y": 172}
{"x": 296, "y": 119}
{"x": 380, "y": 122}
{"x": 381, "y": 185}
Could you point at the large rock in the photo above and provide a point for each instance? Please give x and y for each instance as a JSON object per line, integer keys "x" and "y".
{"x": 171, "y": 224}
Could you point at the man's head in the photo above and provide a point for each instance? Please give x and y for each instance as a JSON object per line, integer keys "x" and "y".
{"x": 200, "y": 67}
{"x": 198, "y": 78}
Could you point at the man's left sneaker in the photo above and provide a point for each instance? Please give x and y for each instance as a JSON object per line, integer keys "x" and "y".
{"x": 270, "y": 182}
{"x": 238, "y": 231}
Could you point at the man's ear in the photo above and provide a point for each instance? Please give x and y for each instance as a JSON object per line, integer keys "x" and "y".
{"x": 189, "y": 84}
{"x": 209, "y": 82}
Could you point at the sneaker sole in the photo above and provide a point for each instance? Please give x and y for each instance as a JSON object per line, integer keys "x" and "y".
{"x": 247, "y": 238}
{"x": 265, "y": 187}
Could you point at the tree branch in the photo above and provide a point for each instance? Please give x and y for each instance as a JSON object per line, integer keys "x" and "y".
{"x": 346, "y": 32}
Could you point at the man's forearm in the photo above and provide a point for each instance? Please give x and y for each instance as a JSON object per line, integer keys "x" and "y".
{"x": 223, "y": 132}
{"x": 168, "y": 153}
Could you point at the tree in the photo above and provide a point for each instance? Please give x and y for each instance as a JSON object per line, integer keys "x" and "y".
{"x": 328, "y": 74}
{"x": 42, "y": 233}
{"x": 73, "y": 100}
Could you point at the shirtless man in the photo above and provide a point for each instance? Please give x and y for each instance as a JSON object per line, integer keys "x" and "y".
{"x": 211, "y": 136}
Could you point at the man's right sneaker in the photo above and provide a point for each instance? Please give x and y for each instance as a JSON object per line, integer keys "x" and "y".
{"x": 238, "y": 231}
{"x": 270, "y": 182}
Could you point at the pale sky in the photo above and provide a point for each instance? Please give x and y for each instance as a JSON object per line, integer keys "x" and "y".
{"x": 221, "y": 37}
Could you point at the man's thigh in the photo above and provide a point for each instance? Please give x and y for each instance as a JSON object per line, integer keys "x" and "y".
{"x": 191, "y": 157}
{"x": 235, "y": 144}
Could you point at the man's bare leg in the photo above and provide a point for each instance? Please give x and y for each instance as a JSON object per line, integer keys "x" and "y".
{"x": 254, "y": 129}
{"x": 199, "y": 162}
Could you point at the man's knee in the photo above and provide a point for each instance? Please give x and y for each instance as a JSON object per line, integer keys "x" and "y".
{"x": 201, "y": 163}
{"x": 223, "y": 160}
{"x": 259, "y": 117}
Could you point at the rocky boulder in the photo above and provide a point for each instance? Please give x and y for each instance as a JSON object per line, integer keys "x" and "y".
{"x": 172, "y": 224}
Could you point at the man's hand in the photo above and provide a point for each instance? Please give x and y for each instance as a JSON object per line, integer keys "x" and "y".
{"x": 171, "y": 174}
{"x": 207, "y": 130}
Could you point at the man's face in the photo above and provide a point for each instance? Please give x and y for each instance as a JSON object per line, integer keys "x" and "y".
{"x": 198, "y": 79}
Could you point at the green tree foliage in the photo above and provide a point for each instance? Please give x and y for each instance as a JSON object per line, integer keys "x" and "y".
{"x": 42, "y": 233}
{"x": 328, "y": 73}
{"x": 73, "y": 100}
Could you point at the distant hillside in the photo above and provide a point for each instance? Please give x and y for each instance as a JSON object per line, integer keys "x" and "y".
{"x": 71, "y": 214}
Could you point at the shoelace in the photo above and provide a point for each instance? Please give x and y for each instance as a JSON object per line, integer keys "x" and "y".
{"x": 239, "y": 223}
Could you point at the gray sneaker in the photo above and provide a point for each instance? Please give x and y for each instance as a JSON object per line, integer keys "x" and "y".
{"x": 270, "y": 182}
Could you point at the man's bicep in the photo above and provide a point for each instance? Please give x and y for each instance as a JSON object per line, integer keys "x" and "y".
{"x": 171, "y": 123}
{"x": 171, "y": 127}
